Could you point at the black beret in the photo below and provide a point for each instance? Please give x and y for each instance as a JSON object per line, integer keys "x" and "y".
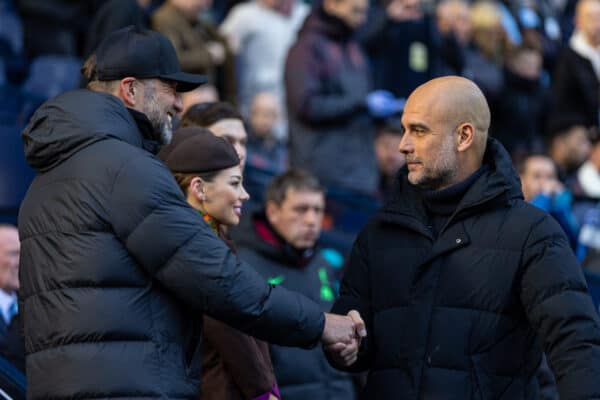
{"x": 198, "y": 150}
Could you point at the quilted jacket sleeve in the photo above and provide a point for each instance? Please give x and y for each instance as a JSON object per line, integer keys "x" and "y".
{"x": 168, "y": 240}
{"x": 555, "y": 297}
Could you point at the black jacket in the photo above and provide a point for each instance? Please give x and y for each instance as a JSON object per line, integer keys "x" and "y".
{"x": 576, "y": 87}
{"x": 116, "y": 269}
{"x": 301, "y": 374}
{"x": 468, "y": 315}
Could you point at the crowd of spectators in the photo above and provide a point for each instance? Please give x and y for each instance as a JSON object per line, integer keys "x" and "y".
{"x": 321, "y": 86}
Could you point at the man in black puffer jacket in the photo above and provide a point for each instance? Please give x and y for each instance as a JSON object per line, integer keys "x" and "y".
{"x": 116, "y": 268}
{"x": 461, "y": 283}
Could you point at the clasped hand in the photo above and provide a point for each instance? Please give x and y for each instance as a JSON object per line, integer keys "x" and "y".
{"x": 342, "y": 336}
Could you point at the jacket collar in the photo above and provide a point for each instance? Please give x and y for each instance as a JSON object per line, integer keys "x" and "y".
{"x": 494, "y": 188}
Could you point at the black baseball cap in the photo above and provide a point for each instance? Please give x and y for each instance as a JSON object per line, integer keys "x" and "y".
{"x": 143, "y": 54}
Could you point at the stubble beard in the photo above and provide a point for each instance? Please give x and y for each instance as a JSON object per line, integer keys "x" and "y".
{"x": 442, "y": 173}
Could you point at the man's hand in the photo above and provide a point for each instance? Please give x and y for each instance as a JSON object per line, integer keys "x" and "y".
{"x": 343, "y": 329}
{"x": 342, "y": 336}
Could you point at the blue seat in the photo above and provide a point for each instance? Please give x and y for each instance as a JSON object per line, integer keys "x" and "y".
{"x": 15, "y": 173}
{"x": 49, "y": 75}
{"x": 11, "y": 29}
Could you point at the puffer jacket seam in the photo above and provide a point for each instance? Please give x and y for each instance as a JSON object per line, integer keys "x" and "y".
{"x": 104, "y": 287}
{"x": 50, "y": 347}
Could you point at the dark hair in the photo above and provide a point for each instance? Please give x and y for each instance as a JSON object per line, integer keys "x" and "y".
{"x": 293, "y": 178}
{"x": 184, "y": 178}
{"x": 206, "y": 114}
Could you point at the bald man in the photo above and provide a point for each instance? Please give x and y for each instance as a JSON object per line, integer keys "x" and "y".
{"x": 576, "y": 81}
{"x": 462, "y": 284}
{"x": 11, "y": 342}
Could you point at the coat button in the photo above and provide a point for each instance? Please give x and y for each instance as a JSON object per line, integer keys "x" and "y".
{"x": 458, "y": 240}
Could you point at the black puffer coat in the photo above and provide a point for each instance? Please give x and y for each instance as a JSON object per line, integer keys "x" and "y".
{"x": 467, "y": 315}
{"x": 117, "y": 269}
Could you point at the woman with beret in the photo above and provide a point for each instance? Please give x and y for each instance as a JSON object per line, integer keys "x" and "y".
{"x": 208, "y": 171}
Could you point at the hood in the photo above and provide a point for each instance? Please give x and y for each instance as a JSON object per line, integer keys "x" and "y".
{"x": 498, "y": 183}
{"x": 72, "y": 121}
{"x": 325, "y": 24}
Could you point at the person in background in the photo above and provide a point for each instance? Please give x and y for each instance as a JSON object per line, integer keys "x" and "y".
{"x": 568, "y": 143}
{"x": 389, "y": 159}
{"x": 542, "y": 188}
{"x": 200, "y": 47}
{"x": 402, "y": 44}
{"x": 222, "y": 119}
{"x": 203, "y": 94}
{"x": 588, "y": 175}
{"x": 260, "y": 32}
{"x": 523, "y": 104}
{"x": 265, "y": 150}
{"x": 330, "y": 99}
{"x": 12, "y": 347}
{"x": 576, "y": 80}
{"x": 453, "y": 21}
{"x": 281, "y": 241}
{"x": 207, "y": 170}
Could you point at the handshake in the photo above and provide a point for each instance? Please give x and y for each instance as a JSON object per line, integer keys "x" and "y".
{"x": 383, "y": 104}
{"x": 342, "y": 336}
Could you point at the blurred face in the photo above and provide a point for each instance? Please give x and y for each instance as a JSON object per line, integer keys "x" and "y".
{"x": 224, "y": 196}
{"x": 161, "y": 103}
{"x": 527, "y": 63}
{"x": 352, "y": 12}
{"x": 539, "y": 174}
{"x": 462, "y": 22}
{"x": 389, "y": 158}
{"x": 299, "y": 217}
{"x": 577, "y": 146}
{"x": 428, "y": 144}
{"x": 9, "y": 259}
{"x": 264, "y": 114}
{"x": 587, "y": 20}
{"x": 192, "y": 8}
{"x": 234, "y": 132}
{"x": 405, "y": 10}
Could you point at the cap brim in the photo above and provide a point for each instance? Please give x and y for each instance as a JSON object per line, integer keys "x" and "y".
{"x": 186, "y": 81}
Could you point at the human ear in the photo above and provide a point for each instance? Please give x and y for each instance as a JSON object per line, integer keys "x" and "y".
{"x": 198, "y": 188}
{"x": 127, "y": 91}
{"x": 465, "y": 136}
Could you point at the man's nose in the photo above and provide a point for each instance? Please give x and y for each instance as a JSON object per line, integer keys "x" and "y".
{"x": 405, "y": 146}
{"x": 311, "y": 217}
